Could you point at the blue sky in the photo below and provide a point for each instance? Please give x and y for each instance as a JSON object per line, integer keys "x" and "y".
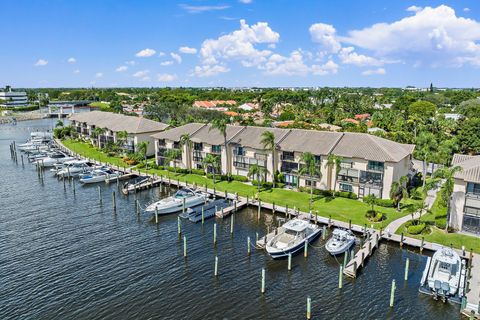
{"x": 105, "y": 43}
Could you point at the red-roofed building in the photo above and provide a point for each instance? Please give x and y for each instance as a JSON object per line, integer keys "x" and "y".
{"x": 350, "y": 120}
{"x": 362, "y": 116}
{"x": 218, "y": 105}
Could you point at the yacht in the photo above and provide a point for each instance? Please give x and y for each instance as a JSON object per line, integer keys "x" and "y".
{"x": 341, "y": 241}
{"x": 292, "y": 237}
{"x": 98, "y": 175}
{"x": 444, "y": 275}
{"x": 73, "y": 168}
{"x": 53, "y": 158}
{"x": 175, "y": 203}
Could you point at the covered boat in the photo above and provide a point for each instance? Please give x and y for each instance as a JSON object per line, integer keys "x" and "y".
{"x": 292, "y": 237}
{"x": 184, "y": 197}
{"x": 341, "y": 241}
{"x": 98, "y": 175}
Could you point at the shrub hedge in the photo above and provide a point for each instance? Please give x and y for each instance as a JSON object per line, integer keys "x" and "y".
{"x": 416, "y": 228}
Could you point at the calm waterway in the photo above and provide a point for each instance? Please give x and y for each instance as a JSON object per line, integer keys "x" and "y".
{"x": 65, "y": 256}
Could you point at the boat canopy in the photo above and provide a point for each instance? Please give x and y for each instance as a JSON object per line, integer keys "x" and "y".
{"x": 296, "y": 225}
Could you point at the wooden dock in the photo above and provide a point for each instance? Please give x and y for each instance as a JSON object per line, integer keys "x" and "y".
{"x": 360, "y": 257}
{"x": 225, "y": 212}
{"x": 472, "y": 302}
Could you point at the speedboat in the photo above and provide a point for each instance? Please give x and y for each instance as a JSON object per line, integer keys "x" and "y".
{"x": 98, "y": 175}
{"x": 183, "y": 198}
{"x": 444, "y": 275}
{"x": 131, "y": 186}
{"x": 32, "y": 144}
{"x": 53, "y": 158}
{"x": 341, "y": 241}
{"x": 73, "y": 168}
{"x": 292, "y": 236}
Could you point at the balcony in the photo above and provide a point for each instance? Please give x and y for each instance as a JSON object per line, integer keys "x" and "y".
{"x": 198, "y": 156}
{"x": 349, "y": 179}
{"x": 242, "y": 165}
{"x": 375, "y": 166}
{"x": 287, "y": 156}
{"x": 289, "y": 167}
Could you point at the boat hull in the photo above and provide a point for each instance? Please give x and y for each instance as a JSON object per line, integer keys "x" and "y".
{"x": 174, "y": 206}
{"x": 292, "y": 250}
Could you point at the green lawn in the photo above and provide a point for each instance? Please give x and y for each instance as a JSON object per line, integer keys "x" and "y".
{"x": 88, "y": 151}
{"x": 99, "y": 104}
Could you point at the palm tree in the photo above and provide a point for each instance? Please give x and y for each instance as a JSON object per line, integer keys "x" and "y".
{"x": 59, "y": 124}
{"x": 96, "y": 133}
{"x": 371, "y": 199}
{"x": 173, "y": 155}
{"x": 187, "y": 142}
{"x": 211, "y": 161}
{"x": 142, "y": 148}
{"x": 426, "y": 146}
{"x": 310, "y": 169}
{"x": 268, "y": 142}
{"x": 448, "y": 177}
{"x": 221, "y": 126}
{"x": 333, "y": 160}
{"x": 398, "y": 191}
{"x": 257, "y": 171}
{"x": 121, "y": 138}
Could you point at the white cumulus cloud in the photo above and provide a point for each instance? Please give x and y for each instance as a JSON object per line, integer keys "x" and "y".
{"x": 414, "y": 8}
{"x": 71, "y": 60}
{"x": 166, "y": 77}
{"x": 187, "y": 50}
{"x": 41, "y": 63}
{"x": 121, "y": 69}
{"x": 324, "y": 34}
{"x": 176, "y": 57}
{"x": 370, "y": 72}
{"x": 209, "y": 70}
{"x": 141, "y": 73}
{"x": 145, "y": 53}
{"x": 330, "y": 67}
{"x": 349, "y": 56}
{"x": 293, "y": 65}
{"x": 98, "y": 75}
{"x": 166, "y": 63}
{"x": 201, "y": 9}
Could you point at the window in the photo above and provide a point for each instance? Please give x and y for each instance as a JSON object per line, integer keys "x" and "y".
{"x": 288, "y": 167}
{"x": 288, "y": 156}
{"x": 346, "y": 187}
{"x": 238, "y": 151}
{"x": 318, "y": 160}
{"x": 310, "y": 183}
{"x": 176, "y": 145}
{"x": 216, "y": 149}
{"x": 161, "y": 142}
{"x": 375, "y": 166}
{"x": 198, "y": 146}
{"x": 346, "y": 163}
{"x": 374, "y": 178}
{"x": 473, "y": 188}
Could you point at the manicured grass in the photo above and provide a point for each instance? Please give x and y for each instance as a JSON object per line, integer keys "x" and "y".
{"x": 88, "y": 151}
{"x": 99, "y": 104}
{"x": 338, "y": 208}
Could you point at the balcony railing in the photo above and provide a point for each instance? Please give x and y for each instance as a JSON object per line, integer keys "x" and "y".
{"x": 287, "y": 157}
{"x": 473, "y": 195}
{"x": 349, "y": 179}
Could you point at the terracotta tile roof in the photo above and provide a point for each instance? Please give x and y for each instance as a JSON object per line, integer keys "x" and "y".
{"x": 470, "y": 167}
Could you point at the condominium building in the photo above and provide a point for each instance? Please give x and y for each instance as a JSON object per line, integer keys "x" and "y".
{"x": 369, "y": 164}
{"x": 13, "y": 99}
{"x": 465, "y": 202}
{"x": 137, "y": 129}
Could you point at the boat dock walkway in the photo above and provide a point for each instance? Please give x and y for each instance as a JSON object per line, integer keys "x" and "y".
{"x": 365, "y": 251}
{"x": 472, "y": 305}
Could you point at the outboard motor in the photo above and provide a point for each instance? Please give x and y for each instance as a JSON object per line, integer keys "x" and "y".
{"x": 437, "y": 285}
{"x": 446, "y": 290}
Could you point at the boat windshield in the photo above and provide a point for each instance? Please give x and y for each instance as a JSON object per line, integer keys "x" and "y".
{"x": 290, "y": 232}
{"x": 183, "y": 194}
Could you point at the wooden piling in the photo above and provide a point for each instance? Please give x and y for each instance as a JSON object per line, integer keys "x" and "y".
{"x": 406, "y": 269}
{"x": 156, "y": 215}
{"x": 184, "y": 246}
{"x": 263, "y": 281}
{"x": 203, "y": 215}
{"x": 305, "y": 251}
{"x": 340, "y": 278}
{"x": 248, "y": 245}
{"x": 289, "y": 261}
{"x": 231, "y": 222}
{"x": 214, "y": 234}
{"x": 137, "y": 207}
{"x": 114, "y": 198}
{"x": 179, "y": 226}
{"x": 309, "y": 308}
{"x": 215, "y": 273}
{"x": 392, "y": 293}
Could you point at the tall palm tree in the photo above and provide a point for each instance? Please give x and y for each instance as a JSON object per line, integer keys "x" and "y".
{"x": 96, "y": 133}
{"x": 398, "y": 191}
{"x": 121, "y": 138}
{"x": 310, "y": 169}
{"x": 257, "y": 171}
{"x": 426, "y": 147}
{"x": 187, "y": 142}
{"x": 448, "y": 177}
{"x": 211, "y": 161}
{"x": 142, "y": 148}
{"x": 268, "y": 142}
{"x": 333, "y": 161}
{"x": 221, "y": 126}
{"x": 172, "y": 155}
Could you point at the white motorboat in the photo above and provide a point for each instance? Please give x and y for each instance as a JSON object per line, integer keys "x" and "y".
{"x": 341, "y": 241}
{"x": 73, "y": 168}
{"x": 131, "y": 186}
{"x": 32, "y": 144}
{"x": 291, "y": 237}
{"x": 42, "y": 134}
{"x": 53, "y": 158}
{"x": 182, "y": 198}
{"x": 98, "y": 175}
{"x": 444, "y": 275}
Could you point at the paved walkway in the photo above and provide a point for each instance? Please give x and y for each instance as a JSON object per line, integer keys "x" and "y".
{"x": 429, "y": 200}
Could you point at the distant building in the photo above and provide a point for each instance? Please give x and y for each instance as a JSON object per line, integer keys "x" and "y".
{"x": 219, "y": 105}
{"x": 465, "y": 201}
{"x": 248, "y": 106}
{"x": 453, "y": 116}
{"x": 13, "y": 99}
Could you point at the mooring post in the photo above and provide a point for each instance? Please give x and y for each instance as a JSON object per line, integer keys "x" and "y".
{"x": 215, "y": 273}
{"x": 226, "y": 194}
{"x": 231, "y": 223}
{"x": 99, "y": 194}
{"x": 183, "y": 205}
{"x": 23, "y": 165}
{"x": 214, "y": 234}
{"x": 316, "y": 217}
{"x": 350, "y": 224}
{"x": 340, "y": 278}
{"x": 406, "y": 268}
{"x": 329, "y": 220}
{"x": 273, "y": 207}
{"x": 247, "y": 200}
{"x": 421, "y": 245}
{"x": 73, "y": 185}
{"x": 203, "y": 215}
{"x": 137, "y": 207}
{"x": 401, "y": 240}
{"x": 309, "y": 308}
{"x": 289, "y": 261}
{"x": 463, "y": 251}
{"x": 263, "y": 281}
{"x": 324, "y": 232}
{"x": 222, "y": 212}
{"x": 363, "y": 258}
{"x": 392, "y": 293}
{"x": 184, "y": 246}
{"x": 305, "y": 251}
{"x": 179, "y": 226}
{"x": 248, "y": 245}
{"x": 256, "y": 237}
{"x": 258, "y": 213}
{"x": 156, "y": 215}
{"x": 114, "y": 198}
{"x": 345, "y": 259}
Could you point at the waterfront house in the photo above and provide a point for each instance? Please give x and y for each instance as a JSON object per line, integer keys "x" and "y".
{"x": 465, "y": 201}
{"x": 218, "y": 105}
{"x": 137, "y": 129}
{"x": 370, "y": 164}
{"x": 13, "y": 99}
